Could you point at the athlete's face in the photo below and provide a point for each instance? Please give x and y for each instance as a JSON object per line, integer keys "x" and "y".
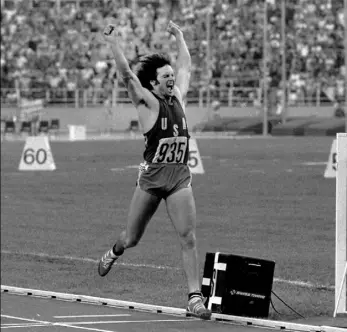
{"x": 166, "y": 81}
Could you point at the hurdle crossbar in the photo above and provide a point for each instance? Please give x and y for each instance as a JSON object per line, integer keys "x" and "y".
{"x": 228, "y": 319}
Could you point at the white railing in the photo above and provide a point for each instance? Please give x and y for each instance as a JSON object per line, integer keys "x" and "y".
{"x": 233, "y": 96}
{"x": 94, "y": 97}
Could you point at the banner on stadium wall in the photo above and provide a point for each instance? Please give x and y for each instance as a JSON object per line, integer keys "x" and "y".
{"x": 77, "y": 133}
{"x": 29, "y": 109}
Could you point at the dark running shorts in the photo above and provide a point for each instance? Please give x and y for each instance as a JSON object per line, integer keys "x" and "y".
{"x": 162, "y": 180}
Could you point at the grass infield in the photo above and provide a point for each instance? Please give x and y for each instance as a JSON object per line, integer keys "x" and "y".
{"x": 259, "y": 197}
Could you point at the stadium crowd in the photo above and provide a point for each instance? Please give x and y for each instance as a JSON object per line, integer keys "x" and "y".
{"x": 56, "y": 44}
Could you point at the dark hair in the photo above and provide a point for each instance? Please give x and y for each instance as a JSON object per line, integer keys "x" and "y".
{"x": 146, "y": 68}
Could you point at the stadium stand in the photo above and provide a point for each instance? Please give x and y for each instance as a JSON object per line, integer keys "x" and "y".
{"x": 52, "y": 47}
{"x": 46, "y": 48}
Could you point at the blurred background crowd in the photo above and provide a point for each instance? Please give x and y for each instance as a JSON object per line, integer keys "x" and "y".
{"x": 55, "y": 44}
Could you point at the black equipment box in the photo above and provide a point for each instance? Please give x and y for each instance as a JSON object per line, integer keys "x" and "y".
{"x": 237, "y": 285}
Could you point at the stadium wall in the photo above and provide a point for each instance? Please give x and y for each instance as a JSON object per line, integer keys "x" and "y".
{"x": 97, "y": 118}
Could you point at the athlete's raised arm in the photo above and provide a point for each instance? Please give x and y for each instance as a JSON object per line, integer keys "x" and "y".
{"x": 183, "y": 62}
{"x": 137, "y": 93}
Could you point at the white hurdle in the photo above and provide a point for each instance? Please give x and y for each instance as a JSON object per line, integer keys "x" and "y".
{"x": 341, "y": 229}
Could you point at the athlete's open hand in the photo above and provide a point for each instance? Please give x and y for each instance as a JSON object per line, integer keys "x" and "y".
{"x": 174, "y": 29}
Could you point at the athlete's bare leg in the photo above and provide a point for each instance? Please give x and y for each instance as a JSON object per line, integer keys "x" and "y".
{"x": 142, "y": 207}
{"x": 181, "y": 209}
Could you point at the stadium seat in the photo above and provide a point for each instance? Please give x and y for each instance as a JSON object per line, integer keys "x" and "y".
{"x": 26, "y": 127}
{"x": 43, "y": 126}
{"x": 55, "y": 124}
{"x": 10, "y": 127}
{"x": 134, "y": 125}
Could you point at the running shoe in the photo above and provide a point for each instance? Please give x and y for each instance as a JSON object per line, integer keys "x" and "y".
{"x": 106, "y": 262}
{"x": 197, "y": 308}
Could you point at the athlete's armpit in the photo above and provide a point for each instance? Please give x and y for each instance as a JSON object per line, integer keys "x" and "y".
{"x": 126, "y": 80}
{"x": 137, "y": 93}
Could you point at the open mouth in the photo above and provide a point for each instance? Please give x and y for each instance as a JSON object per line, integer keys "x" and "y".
{"x": 170, "y": 85}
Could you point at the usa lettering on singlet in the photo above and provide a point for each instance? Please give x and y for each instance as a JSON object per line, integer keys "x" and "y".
{"x": 168, "y": 141}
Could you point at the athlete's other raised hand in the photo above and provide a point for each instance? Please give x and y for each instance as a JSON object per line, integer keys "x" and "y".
{"x": 174, "y": 29}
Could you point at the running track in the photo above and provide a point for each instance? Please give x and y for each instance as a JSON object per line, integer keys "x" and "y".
{"x": 21, "y": 313}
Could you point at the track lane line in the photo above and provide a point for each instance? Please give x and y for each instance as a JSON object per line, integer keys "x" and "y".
{"x": 300, "y": 283}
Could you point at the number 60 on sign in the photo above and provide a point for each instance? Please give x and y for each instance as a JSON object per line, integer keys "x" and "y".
{"x": 37, "y": 155}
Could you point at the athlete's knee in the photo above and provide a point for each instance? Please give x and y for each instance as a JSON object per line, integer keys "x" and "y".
{"x": 188, "y": 239}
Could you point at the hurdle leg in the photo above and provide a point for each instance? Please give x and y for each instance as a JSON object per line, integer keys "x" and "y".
{"x": 340, "y": 290}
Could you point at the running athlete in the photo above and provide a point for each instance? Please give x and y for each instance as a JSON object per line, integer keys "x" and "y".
{"x": 158, "y": 93}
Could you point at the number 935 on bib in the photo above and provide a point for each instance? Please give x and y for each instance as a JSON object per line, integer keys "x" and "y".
{"x": 173, "y": 150}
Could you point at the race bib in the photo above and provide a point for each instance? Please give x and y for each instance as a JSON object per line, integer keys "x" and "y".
{"x": 171, "y": 150}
